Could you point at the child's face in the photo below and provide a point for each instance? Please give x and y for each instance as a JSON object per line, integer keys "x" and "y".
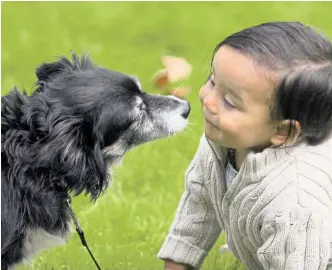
{"x": 235, "y": 101}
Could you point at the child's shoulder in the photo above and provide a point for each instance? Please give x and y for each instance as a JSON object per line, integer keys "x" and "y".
{"x": 315, "y": 157}
{"x": 305, "y": 178}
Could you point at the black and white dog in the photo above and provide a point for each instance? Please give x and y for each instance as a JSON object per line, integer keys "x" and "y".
{"x": 62, "y": 139}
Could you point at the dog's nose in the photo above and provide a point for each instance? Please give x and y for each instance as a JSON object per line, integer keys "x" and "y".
{"x": 186, "y": 110}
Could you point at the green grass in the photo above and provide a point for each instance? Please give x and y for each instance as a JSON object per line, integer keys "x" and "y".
{"x": 127, "y": 226}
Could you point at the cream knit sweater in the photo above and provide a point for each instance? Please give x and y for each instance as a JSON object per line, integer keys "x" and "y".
{"x": 277, "y": 213}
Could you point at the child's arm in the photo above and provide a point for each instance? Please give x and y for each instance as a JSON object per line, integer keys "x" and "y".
{"x": 195, "y": 228}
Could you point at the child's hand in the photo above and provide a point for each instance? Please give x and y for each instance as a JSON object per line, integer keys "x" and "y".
{"x": 170, "y": 265}
{"x": 224, "y": 248}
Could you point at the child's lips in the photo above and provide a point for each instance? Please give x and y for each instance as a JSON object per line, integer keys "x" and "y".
{"x": 207, "y": 116}
{"x": 210, "y": 123}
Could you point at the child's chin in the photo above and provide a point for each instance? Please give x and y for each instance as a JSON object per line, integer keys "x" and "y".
{"x": 219, "y": 142}
{"x": 213, "y": 138}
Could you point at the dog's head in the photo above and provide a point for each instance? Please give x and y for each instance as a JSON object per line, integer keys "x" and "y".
{"x": 108, "y": 110}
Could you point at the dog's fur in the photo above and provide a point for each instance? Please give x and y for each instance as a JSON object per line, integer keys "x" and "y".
{"x": 62, "y": 139}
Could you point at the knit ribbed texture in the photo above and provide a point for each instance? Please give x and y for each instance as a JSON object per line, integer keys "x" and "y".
{"x": 277, "y": 213}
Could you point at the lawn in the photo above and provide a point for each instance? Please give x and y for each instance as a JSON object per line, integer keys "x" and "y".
{"x": 128, "y": 224}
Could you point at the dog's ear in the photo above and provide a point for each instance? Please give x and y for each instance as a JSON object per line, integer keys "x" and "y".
{"x": 48, "y": 70}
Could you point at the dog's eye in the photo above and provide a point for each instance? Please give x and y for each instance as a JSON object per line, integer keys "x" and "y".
{"x": 142, "y": 106}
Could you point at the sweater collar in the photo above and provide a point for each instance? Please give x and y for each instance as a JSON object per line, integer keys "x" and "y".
{"x": 256, "y": 165}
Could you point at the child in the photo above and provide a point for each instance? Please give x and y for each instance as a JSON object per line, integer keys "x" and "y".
{"x": 263, "y": 170}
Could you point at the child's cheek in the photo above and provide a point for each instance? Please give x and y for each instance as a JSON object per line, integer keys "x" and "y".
{"x": 229, "y": 126}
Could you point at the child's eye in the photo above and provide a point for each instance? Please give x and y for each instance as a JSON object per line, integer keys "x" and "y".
{"x": 212, "y": 82}
{"x": 228, "y": 102}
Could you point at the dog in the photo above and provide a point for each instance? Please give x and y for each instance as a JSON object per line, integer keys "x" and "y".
{"x": 62, "y": 139}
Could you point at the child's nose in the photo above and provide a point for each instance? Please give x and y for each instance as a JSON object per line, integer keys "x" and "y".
{"x": 209, "y": 102}
{"x": 202, "y": 93}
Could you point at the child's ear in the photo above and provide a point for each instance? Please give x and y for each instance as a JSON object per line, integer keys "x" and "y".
{"x": 287, "y": 131}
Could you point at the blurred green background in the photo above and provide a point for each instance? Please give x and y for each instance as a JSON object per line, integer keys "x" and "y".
{"x": 127, "y": 226}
